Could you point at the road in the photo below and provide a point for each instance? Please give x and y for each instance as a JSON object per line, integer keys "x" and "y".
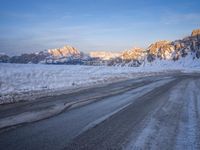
{"x": 160, "y": 112}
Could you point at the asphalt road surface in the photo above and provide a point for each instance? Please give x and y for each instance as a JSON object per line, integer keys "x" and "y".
{"x": 160, "y": 112}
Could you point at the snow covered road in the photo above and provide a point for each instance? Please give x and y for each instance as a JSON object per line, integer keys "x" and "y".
{"x": 149, "y": 113}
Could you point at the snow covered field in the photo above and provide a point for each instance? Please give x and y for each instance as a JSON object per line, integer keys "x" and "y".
{"x": 28, "y": 81}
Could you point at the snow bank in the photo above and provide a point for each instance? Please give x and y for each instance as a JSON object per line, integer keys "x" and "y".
{"x": 187, "y": 64}
{"x": 29, "y": 81}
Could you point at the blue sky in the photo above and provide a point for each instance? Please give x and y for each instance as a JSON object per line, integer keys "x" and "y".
{"x": 113, "y": 25}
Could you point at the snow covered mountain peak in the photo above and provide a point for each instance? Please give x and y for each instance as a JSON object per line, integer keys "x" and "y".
{"x": 64, "y": 52}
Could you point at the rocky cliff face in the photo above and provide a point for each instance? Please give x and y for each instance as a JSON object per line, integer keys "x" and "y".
{"x": 133, "y": 54}
{"x": 161, "y": 49}
{"x": 64, "y": 52}
{"x": 195, "y": 32}
{"x": 175, "y": 49}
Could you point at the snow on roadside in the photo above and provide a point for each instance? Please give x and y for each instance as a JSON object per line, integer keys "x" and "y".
{"x": 29, "y": 81}
{"x": 186, "y": 64}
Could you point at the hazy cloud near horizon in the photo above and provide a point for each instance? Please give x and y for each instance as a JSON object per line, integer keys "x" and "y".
{"x": 114, "y": 25}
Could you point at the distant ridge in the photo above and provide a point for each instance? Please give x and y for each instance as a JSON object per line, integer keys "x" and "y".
{"x": 162, "y": 50}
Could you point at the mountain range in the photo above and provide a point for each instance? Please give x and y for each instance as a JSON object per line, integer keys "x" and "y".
{"x": 162, "y": 50}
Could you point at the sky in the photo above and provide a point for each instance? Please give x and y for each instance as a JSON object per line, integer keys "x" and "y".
{"x": 89, "y": 25}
